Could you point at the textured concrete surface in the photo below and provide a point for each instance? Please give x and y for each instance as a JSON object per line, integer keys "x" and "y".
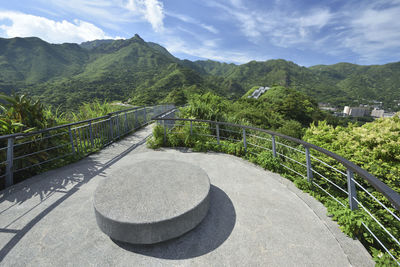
{"x": 257, "y": 219}
{"x": 152, "y": 201}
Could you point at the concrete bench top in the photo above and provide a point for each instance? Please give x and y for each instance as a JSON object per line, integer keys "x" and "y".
{"x": 152, "y": 201}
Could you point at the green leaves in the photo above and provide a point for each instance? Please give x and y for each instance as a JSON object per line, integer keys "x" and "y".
{"x": 22, "y": 114}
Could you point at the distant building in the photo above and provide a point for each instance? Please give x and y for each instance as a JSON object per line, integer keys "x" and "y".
{"x": 258, "y": 92}
{"x": 377, "y": 113}
{"x": 358, "y": 112}
{"x": 355, "y": 112}
{"x": 346, "y": 110}
{"x": 388, "y": 114}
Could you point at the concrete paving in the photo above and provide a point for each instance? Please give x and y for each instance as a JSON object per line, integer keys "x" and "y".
{"x": 256, "y": 218}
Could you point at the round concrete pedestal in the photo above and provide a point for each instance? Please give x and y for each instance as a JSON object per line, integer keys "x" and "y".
{"x": 152, "y": 201}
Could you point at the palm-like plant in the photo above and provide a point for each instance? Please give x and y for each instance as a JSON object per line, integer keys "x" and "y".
{"x": 24, "y": 112}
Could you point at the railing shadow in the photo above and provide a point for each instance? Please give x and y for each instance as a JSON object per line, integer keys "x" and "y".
{"x": 212, "y": 232}
{"x": 68, "y": 181}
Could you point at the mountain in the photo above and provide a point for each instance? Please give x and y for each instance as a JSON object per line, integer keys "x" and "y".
{"x": 31, "y": 60}
{"x": 215, "y": 67}
{"x": 93, "y": 44}
{"x": 68, "y": 74}
{"x": 341, "y": 84}
{"x": 374, "y": 82}
{"x": 145, "y": 72}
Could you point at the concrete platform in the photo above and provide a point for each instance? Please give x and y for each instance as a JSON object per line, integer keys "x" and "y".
{"x": 152, "y": 201}
{"x": 259, "y": 219}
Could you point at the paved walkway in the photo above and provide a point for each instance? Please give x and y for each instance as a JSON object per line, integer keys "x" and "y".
{"x": 256, "y": 218}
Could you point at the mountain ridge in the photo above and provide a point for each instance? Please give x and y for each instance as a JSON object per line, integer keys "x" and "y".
{"x": 132, "y": 68}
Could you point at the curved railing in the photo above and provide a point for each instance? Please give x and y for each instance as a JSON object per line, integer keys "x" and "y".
{"x": 25, "y": 154}
{"x": 295, "y": 154}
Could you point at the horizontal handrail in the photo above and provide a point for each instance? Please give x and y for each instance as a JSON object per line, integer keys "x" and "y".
{"x": 16, "y": 135}
{"x": 78, "y": 139}
{"x": 389, "y": 193}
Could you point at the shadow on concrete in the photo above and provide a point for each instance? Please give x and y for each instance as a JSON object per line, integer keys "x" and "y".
{"x": 76, "y": 174}
{"x": 58, "y": 180}
{"x": 212, "y": 232}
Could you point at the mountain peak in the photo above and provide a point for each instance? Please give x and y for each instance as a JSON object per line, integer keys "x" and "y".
{"x": 137, "y": 37}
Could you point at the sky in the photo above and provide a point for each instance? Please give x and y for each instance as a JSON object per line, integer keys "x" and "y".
{"x": 307, "y": 32}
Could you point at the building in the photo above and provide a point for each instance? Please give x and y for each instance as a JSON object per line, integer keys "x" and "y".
{"x": 346, "y": 110}
{"x": 355, "y": 111}
{"x": 258, "y": 92}
{"x": 388, "y": 114}
{"x": 377, "y": 113}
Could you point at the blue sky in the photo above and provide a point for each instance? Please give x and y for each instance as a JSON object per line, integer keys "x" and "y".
{"x": 305, "y": 32}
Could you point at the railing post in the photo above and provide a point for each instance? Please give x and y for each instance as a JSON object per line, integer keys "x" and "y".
{"x": 71, "y": 140}
{"x": 91, "y": 133}
{"x": 217, "y": 129}
{"x": 191, "y": 128}
{"x": 244, "y": 140}
{"x": 10, "y": 161}
{"x": 273, "y": 146}
{"x": 76, "y": 141}
{"x": 351, "y": 187}
{"x": 136, "y": 120}
{"x": 111, "y": 129}
{"x": 165, "y": 132}
{"x": 126, "y": 123}
{"x": 117, "y": 119}
{"x": 309, "y": 167}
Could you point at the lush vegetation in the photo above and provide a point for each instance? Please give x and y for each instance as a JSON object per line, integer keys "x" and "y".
{"x": 22, "y": 114}
{"x": 373, "y": 146}
{"x": 280, "y": 109}
{"x": 146, "y": 73}
{"x": 19, "y": 113}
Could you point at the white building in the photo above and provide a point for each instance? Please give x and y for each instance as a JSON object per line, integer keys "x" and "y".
{"x": 258, "y": 92}
{"x": 377, "y": 113}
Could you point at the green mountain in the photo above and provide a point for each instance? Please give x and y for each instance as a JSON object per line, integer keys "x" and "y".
{"x": 31, "y": 60}
{"x": 68, "y": 74}
{"x": 145, "y": 73}
{"x": 374, "y": 82}
{"x": 215, "y": 67}
{"x": 340, "y": 84}
{"x": 93, "y": 44}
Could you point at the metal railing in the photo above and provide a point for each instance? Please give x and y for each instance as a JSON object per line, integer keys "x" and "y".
{"x": 24, "y": 154}
{"x": 345, "y": 180}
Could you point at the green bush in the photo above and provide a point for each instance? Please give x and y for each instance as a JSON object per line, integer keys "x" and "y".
{"x": 157, "y": 139}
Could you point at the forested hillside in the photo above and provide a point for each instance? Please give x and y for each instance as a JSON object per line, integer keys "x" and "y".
{"x": 144, "y": 72}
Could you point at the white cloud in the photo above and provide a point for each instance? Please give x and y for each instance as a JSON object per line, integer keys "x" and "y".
{"x": 208, "y": 50}
{"x": 191, "y": 20}
{"x": 244, "y": 18}
{"x": 25, "y": 25}
{"x": 369, "y": 29}
{"x": 373, "y": 32}
{"x": 209, "y": 28}
{"x": 113, "y": 14}
{"x": 283, "y": 27}
{"x": 317, "y": 18}
{"x": 151, "y": 10}
{"x": 102, "y": 11}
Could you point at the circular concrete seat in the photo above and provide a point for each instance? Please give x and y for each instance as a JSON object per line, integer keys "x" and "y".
{"x": 152, "y": 201}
